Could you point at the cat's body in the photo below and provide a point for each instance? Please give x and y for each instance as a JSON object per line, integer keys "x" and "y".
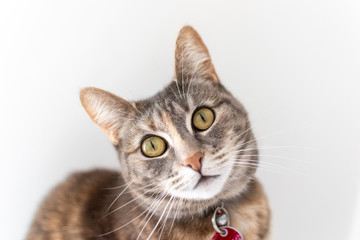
{"x": 77, "y": 208}
{"x": 183, "y": 152}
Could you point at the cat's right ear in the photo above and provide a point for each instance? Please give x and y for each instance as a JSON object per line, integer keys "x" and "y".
{"x": 107, "y": 110}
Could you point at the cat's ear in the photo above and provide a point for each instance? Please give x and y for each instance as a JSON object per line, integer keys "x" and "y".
{"x": 192, "y": 58}
{"x": 107, "y": 110}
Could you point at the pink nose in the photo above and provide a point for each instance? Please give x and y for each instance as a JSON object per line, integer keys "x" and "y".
{"x": 194, "y": 161}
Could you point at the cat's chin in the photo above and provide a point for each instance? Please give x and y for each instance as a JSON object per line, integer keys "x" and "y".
{"x": 204, "y": 188}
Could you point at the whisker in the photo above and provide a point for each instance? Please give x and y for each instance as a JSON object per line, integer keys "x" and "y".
{"x": 268, "y": 135}
{"x": 137, "y": 196}
{"x": 116, "y": 229}
{"x": 241, "y": 134}
{"x": 267, "y": 166}
{"x": 254, "y": 166}
{"x": 142, "y": 202}
{"x": 118, "y": 196}
{"x": 162, "y": 227}
{"x": 243, "y": 174}
{"x": 160, "y": 201}
{"x": 270, "y": 156}
{"x": 111, "y": 188}
{"x": 279, "y": 157}
{"x": 164, "y": 222}
{"x": 266, "y": 147}
{"x": 160, "y": 217}
{"x": 140, "y": 188}
{"x": 163, "y": 197}
{"x": 129, "y": 201}
{"x": 180, "y": 201}
{"x": 171, "y": 179}
{"x": 175, "y": 93}
{"x": 156, "y": 200}
{"x": 177, "y": 85}
{"x": 255, "y": 123}
{"x": 244, "y": 160}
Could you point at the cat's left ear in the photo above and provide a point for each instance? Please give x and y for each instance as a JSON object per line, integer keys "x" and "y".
{"x": 192, "y": 58}
{"x": 107, "y": 110}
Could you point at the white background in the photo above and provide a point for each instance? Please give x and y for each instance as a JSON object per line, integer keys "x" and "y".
{"x": 293, "y": 64}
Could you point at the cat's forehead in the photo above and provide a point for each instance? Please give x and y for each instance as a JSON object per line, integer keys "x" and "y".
{"x": 179, "y": 98}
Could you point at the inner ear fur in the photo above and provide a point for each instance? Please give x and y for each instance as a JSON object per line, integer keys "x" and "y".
{"x": 107, "y": 110}
{"x": 192, "y": 58}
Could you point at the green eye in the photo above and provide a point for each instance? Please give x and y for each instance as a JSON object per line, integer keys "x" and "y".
{"x": 203, "y": 119}
{"x": 153, "y": 146}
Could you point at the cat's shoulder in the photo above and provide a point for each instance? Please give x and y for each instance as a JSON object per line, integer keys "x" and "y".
{"x": 93, "y": 175}
{"x": 81, "y": 186}
{"x": 73, "y": 202}
{"x": 78, "y": 186}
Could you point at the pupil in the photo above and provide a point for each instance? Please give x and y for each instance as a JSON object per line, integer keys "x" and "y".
{"x": 202, "y": 117}
{"x": 152, "y": 145}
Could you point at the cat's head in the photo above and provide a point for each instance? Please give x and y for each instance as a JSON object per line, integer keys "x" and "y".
{"x": 191, "y": 143}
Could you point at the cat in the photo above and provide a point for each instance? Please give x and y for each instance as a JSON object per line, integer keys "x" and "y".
{"x": 183, "y": 152}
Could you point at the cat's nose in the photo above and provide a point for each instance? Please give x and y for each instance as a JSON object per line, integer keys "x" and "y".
{"x": 194, "y": 161}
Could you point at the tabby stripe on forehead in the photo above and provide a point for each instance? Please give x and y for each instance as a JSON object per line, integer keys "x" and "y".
{"x": 224, "y": 101}
{"x": 171, "y": 127}
{"x": 151, "y": 124}
{"x": 172, "y": 108}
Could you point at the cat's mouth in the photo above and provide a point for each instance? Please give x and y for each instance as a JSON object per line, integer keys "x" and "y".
{"x": 205, "y": 179}
{"x": 201, "y": 187}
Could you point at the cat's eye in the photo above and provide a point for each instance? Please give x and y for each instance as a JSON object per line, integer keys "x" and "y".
{"x": 153, "y": 146}
{"x": 203, "y": 118}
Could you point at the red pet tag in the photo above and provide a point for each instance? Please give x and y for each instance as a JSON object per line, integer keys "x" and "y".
{"x": 221, "y": 222}
{"x": 227, "y": 233}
